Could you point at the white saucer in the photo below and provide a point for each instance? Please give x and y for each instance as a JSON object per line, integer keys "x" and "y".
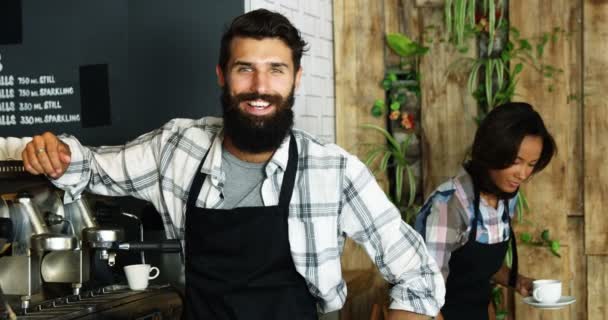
{"x": 562, "y": 302}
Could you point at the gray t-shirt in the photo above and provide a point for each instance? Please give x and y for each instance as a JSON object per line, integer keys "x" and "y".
{"x": 243, "y": 185}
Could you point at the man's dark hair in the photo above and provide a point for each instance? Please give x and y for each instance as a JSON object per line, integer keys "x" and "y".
{"x": 498, "y": 139}
{"x": 260, "y": 24}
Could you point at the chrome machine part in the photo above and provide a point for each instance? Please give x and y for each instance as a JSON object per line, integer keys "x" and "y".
{"x": 53, "y": 242}
{"x": 102, "y": 238}
{"x": 38, "y": 225}
{"x": 141, "y": 233}
{"x": 65, "y": 267}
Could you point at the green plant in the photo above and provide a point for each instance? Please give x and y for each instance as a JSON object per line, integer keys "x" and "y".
{"x": 402, "y": 87}
{"x": 464, "y": 19}
{"x": 394, "y": 154}
{"x": 500, "y": 71}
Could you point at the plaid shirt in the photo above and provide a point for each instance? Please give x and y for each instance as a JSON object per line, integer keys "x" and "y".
{"x": 334, "y": 195}
{"x": 445, "y": 219}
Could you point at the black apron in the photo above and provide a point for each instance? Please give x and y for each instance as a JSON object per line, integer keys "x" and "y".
{"x": 238, "y": 261}
{"x": 472, "y": 266}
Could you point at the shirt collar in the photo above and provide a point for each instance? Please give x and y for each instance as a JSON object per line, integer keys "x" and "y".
{"x": 280, "y": 157}
{"x": 213, "y": 163}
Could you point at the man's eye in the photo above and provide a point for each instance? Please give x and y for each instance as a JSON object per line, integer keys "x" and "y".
{"x": 244, "y": 69}
{"x": 277, "y": 70}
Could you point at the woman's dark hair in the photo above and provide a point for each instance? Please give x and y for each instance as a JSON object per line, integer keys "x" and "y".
{"x": 260, "y": 24}
{"x": 497, "y": 143}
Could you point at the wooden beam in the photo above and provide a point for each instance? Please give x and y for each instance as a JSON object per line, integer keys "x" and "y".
{"x": 597, "y": 281}
{"x": 596, "y": 126}
{"x": 448, "y": 110}
{"x": 359, "y": 69}
{"x": 578, "y": 268}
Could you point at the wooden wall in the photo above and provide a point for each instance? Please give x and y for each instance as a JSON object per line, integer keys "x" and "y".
{"x": 568, "y": 197}
{"x": 554, "y": 194}
{"x": 595, "y": 86}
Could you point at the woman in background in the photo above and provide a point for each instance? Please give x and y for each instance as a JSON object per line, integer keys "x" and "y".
{"x": 466, "y": 222}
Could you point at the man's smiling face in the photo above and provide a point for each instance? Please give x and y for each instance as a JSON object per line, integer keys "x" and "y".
{"x": 257, "y": 95}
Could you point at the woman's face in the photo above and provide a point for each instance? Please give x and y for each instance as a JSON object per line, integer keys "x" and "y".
{"x": 509, "y": 179}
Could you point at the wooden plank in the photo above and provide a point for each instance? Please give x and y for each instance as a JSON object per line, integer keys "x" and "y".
{"x": 448, "y": 109}
{"x": 578, "y": 268}
{"x": 359, "y": 68}
{"x": 555, "y": 192}
{"x": 539, "y": 263}
{"x": 575, "y": 102}
{"x": 597, "y": 282}
{"x": 596, "y": 126}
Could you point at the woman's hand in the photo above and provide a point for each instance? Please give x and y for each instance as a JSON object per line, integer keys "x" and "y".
{"x": 523, "y": 285}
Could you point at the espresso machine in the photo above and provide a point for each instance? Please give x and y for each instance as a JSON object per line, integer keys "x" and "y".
{"x": 55, "y": 250}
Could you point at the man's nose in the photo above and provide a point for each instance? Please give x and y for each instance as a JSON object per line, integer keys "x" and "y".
{"x": 260, "y": 83}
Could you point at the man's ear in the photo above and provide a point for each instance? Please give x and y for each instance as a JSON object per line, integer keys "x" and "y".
{"x": 298, "y": 77}
{"x": 220, "y": 75}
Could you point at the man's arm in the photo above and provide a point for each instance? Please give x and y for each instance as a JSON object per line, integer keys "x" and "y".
{"x": 113, "y": 171}
{"x": 370, "y": 219}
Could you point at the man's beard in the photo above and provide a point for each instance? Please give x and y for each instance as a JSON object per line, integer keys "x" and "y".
{"x": 253, "y": 133}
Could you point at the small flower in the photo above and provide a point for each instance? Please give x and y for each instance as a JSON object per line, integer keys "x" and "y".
{"x": 394, "y": 115}
{"x": 407, "y": 121}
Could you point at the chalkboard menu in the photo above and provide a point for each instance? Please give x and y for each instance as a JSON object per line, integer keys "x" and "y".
{"x": 107, "y": 71}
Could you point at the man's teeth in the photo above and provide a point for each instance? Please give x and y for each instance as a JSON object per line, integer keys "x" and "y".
{"x": 259, "y": 104}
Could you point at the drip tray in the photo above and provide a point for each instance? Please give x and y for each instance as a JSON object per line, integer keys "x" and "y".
{"x": 117, "y": 302}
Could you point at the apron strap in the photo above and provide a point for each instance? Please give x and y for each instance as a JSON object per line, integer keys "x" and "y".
{"x": 290, "y": 174}
{"x": 197, "y": 183}
{"x": 513, "y": 241}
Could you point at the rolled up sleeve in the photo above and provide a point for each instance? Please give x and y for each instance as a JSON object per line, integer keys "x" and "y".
{"x": 370, "y": 219}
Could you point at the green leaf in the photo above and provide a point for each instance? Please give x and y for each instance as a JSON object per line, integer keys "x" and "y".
{"x": 402, "y": 45}
{"x": 387, "y": 84}
{"x": 401, "y": 98}
{"x": 526, "y": 237}
{"x": 545, "y": 235}
{"x": 379, "y": 103}
{"x": 398, "y": 183}
{"x": 555, "y": 248}
{"x": 384, "y": 161}
{"x": 377, "y": 111}
{"x": 395, "y": 106}
{"x": 391, "y": 76}
{"x": 518, "y": 68}
{"x": 373, "y": 154}
{"x": 393, "y": 143}
{"x": 524, "y": 44}
{"x": 412, "y": 180}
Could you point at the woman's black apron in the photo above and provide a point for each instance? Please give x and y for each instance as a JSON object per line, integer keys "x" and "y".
{"x": 239, "y": 263}
{"x": 468, "y": 288}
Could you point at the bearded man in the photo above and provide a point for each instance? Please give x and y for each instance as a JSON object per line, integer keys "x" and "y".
{"x": 263, "y": 208}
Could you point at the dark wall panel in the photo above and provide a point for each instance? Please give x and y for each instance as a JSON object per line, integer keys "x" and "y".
{"x": 157, "y": 59}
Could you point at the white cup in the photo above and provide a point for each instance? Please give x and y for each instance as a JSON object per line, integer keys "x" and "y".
{"x": 3, "y": 153}
{"x": 13, "y": 148}
{"x": 139, "y": 274}
{"x": 547, "y": 291}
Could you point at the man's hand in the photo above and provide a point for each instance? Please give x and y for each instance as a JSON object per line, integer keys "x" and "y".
{"x": 46, "y": 154}
{"x": 405, "y": 315}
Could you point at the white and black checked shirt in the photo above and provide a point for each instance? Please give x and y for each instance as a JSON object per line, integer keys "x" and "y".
{"x": 334, "y": 196}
